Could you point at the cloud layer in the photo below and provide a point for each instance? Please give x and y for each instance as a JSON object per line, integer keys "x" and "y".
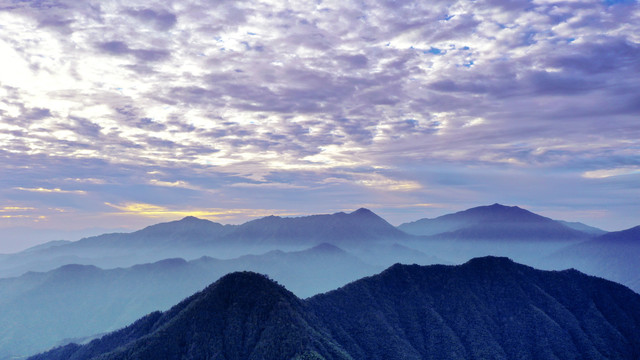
{"x": 316, "y": 106}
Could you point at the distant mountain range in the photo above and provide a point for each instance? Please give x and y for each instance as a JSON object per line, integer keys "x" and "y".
{"x": 614, "y": 255}
{"x": 192, "y": 237}
{"x": 358, "y": 227}
{"x": 341, "y": 228}
{"x": 497, "y": 222}
{"x": 76, "y": 301}
{"x": 80, "y": 298}
{"x": 488, "y": 308}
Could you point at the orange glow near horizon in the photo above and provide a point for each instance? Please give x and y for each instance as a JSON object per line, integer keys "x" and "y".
{"x": 156, "y": 211}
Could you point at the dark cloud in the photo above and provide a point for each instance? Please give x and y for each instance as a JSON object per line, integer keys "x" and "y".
{"x": 159, "y": 19}
{"x": 149, "y": 124}
{"x": 114, "y": 47}
{"x": 85, "y": 127}
{"x": 551, "y": 83}
{"x": 36, "y": 114}
{"x": 355, "y": 61}
{"x": 55, "y": 23}
{"x": 120, "y": 48}
{"x": 607, "y": 55}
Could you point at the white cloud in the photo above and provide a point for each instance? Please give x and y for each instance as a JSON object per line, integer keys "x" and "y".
{"x": 605, "y": 173}
{"x": 246, "y": 90}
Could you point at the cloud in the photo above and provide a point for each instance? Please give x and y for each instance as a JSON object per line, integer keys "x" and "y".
{"x": 54, "y": 191}
{"x": 605, "y": 173}
{"x": 244, "y": 96}
{"x": 120, "y": 48}
{"x": 177, "y": 183}
{"x": 156, "y": 211}
{"x": 159, "y": 19}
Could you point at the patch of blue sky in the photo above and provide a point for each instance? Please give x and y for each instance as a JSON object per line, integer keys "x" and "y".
{"x": 616, "y": 2}
{"x": 434, "y": 51}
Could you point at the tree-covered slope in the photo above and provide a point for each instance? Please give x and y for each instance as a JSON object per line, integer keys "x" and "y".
{"x": 41, "y": 310}
{"x": 242, "y": 316}
{"x": 487, "y": 308}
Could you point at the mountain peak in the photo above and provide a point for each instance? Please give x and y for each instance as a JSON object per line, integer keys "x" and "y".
{"x": 190, "y": 218}
{"x": 494, "y": 222}
{"x": 363, "y": 212}
{"x": 489, "y": 262}
{"x": 244, "y": 277}
{"x": 327, "y": 248}
{"x": 502, "y": 207}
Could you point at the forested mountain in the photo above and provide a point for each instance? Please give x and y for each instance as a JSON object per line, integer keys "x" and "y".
{"x": 487, "y": 308}
{"x": 242, "y": 316}
{"x": 494, "y": 222}
{"x": 42, "y": 309}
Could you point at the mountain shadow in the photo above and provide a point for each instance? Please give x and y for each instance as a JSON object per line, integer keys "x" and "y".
{"x": 487, "y": 308}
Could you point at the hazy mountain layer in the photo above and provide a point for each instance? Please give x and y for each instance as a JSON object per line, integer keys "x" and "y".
{"x": 42, "y": 309}
{"x": 359, "y": 226}
{"x": 488, "y": 308}
{"x": 615, "y": 256}
{"x": 594, "y": 231}
{"x": 191, "y": 238}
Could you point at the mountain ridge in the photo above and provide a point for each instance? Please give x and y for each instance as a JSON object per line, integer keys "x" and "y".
{"x": 489, "y": 307}
{"x": 493, "y": 222}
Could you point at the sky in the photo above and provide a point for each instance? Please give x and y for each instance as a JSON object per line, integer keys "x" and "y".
{"x": 121, "y": 114}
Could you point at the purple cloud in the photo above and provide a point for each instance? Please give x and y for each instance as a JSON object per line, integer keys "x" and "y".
{"x": 344, "y": 98}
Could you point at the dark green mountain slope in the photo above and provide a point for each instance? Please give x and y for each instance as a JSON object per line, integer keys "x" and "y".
{"x": 242, "y": 316}
{"x": 75, "y": 301}
{"x": 488, "y": 308}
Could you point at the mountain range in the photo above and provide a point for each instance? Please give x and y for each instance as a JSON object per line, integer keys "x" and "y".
{"x": 101, "y": 283}
{"x": 192, "y": 237}
{"x": 496, "y": 222}
{"x": 486, "y": 308}
{"x": 361, "y": 230}
{"x": 76, "y": 301}
{"x": 614, "y": 255}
